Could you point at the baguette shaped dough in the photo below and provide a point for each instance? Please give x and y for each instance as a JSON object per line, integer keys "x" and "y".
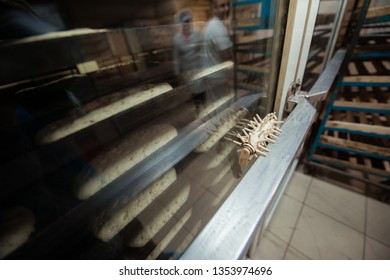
{"x": 188, "y": 239}
{"x": 223, "y": 193}
{"x": 131, "y": 209}
{"x": 231, "y": 117}
{"x": 98, "y": 110}
{"x": 16, "y": 226}
{"x": 216, "y": 104}
{"x": 170, "y": 235}
{"x": 221, "y": 174}
{"x": 210, "y": 70}
{"x": 223, "y": 154}
{"x": 121, "y": 157}
{"x": 58, "y": 35}
{"x": 155, "y": 224}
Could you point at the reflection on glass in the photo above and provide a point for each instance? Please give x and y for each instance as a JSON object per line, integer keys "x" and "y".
{"x": 322, "y": 42}
{"x": 110, "y": 150}
{"x": 254, "y": 29}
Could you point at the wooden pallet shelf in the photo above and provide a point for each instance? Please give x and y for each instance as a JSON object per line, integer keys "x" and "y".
{"x": 357, "y": 147}
{"x": 351, "y": 163}
{"x": 253, "y": 43}
{"x": 249, "y": 24}
{"x": 380, "y": 108}
{"x": 250, "y": 87}
{"x": 263, "y": 46}
{"x": 359, "y": 128}
{"x": 354, "y": 133}
{"x": 254, "y": 69}
{"x": 378, "y": 14}
{"x": 366, "y": 80}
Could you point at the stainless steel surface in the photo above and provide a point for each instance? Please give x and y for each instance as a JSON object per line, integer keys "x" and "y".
{"x": 256, "y": 241}
{"x": 229, "y": 232}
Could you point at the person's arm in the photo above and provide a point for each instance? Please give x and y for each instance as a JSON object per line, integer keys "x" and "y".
{"x": 224, "y": 43}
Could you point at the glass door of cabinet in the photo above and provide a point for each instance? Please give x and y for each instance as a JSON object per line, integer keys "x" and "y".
{"x": 326, "y": 30}
{"x": 111, "y": 154}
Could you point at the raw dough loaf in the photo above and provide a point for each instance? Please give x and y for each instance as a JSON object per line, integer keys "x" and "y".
{"x": 221, "y": 174}
{"x": 98, "y": 110}
{"x": 227, "y": 122}
{"x": 220, "y": 156}
{"x": 122, "y": 156}
{"x": 155, "y": 224}
{"x": 216, "y": 104}
{"x": 169, "y": 236}
{"x": 58, "y": 35}
{"x": 188, "y": 239}
{"x": 16, "y": 226}
{"x": 134, "y": 206}
{"x": 210, "y": 70}
{"x": 222, "y": 193}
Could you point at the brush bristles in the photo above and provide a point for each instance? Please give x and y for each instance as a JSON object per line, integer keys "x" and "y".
{"x": 256, "y": 135}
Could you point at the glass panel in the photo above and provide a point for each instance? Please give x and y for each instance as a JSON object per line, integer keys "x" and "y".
{"x": 325, "y": 28}
{"x": 109, "y": 151}
{"x": 256, "y": 68}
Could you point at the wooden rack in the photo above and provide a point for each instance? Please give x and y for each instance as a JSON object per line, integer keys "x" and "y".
{"x": 251, "y": 20}
{"x": 354, "y": 133}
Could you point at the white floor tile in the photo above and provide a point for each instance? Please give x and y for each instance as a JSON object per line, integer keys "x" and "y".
{"x": 285, "y": 217}
{"x": 298, "y": 186}
{"x": 321, "y": 238}
{"x": 375, "y": 250}
{"x": 378, "y": 220}
{"x": 343, "y": 205}
{"x": 270, "y": 248}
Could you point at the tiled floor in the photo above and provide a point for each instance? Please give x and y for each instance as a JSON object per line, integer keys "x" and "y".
{"x": 318, "y": 220}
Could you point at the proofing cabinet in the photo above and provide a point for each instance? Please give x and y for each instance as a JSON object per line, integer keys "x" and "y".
{"x": 108, "y": 153}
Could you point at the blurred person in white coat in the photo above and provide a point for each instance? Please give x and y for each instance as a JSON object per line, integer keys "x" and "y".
{"x": 218, "y": 48}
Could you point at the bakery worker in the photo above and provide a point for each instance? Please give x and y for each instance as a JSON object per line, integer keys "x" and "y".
{"x": 218, "y": 48}
{"x": 187, "y": 45}
{"x": 187, "y": 49}
{"x": 19, "y": 20}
